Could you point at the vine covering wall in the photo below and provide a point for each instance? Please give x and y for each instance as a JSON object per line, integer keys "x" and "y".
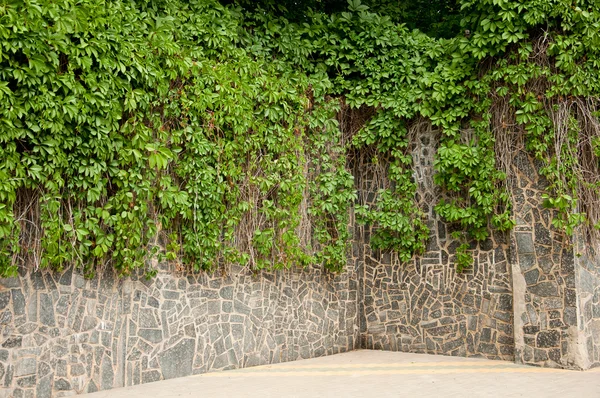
{"x": 205, "y": 134}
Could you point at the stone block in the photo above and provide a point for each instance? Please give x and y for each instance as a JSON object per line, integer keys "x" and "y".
{"x": 177, "y": 361}
{"x": 548, "y": 339}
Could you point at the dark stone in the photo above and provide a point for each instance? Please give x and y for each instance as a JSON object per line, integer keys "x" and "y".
{"x": 570, "y": 298}
{"x": 66, "y": 278}
{"x": 440, "y": 331}
{"x": 548, "y": 339}
{"x": 18, "y": 302}
{"x": 177, "y": 361}
{"x": 531, "y": 277}
{"x": 505, "y": 303}
{"x": 4, "y": 299}
{"x": 531, "y": 329}
{"x": 153, "y": 302}
{"x": 542, "y": 235}
{"x": 486, "y": 335}
{"x": 43, "y": 369}
{"x": 62, "y": 385}
{"x": 170, "y": 295}
{"x": 13, "y": 342}
{"x": 545, "y": 289}
{"x": 488, "y": 349}
{"x": 241, "y": 308}
{"x": 37, "y": 280}
{"x": 3, "y": 355}
{"x": 26, "y": 382}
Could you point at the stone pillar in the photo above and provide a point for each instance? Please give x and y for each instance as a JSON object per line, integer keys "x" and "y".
{"x": 587, "y": 281}
{"x": 548, "y": 281}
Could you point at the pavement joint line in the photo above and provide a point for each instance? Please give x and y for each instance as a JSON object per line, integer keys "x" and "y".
{"x": 380, "y": 372}
{"x": 388, "y": 365}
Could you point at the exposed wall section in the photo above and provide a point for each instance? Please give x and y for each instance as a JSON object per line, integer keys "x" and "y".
{"x": 546, "y": 309}
{"x": 424, "y": 305}
{"x": 61, "y": 333}
{"x": 588, "y": 302}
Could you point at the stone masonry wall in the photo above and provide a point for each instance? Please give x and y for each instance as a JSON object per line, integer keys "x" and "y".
{"x": 62, "y": 334}
{"x": 544, "y": 277}
{"x": 424, "y": 306}
{"x": 530, "y": 296}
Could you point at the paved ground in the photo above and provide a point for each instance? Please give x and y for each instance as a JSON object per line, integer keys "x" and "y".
{"x": 376, "y": 374}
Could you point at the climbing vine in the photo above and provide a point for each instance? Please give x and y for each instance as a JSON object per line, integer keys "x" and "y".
{"x": 202, "y": 133}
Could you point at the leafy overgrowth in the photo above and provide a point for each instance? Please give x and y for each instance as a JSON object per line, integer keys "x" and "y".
{"x": 202, "y": 134}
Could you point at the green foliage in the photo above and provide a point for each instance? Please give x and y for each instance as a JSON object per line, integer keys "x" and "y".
{"x": 197, "y": 133}
{"x": 462, "y": 258}
{"x": 147, "y": 132}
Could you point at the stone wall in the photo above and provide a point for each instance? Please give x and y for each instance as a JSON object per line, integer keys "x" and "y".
{"x": 587, "y": 280}
{"x": 531, "y": 296}
{"x": 63, "y": 334}
{"x": 424, "y": 306}
{"x": 544, "y": 277}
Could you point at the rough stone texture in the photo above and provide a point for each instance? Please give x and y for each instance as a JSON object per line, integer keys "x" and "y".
{"x": 424, "y": 306}
{"x": 555, "y": 286}
{"x": 62, "y": 334}
{"x": 530, "y": 296}
{"x": 588, "y": 303}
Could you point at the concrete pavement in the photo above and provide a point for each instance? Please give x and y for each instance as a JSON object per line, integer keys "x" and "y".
{"x": 366, "y": 373}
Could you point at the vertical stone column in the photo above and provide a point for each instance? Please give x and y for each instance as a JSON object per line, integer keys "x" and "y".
{"x": 545, "y": 286}
{"x": 587, "y": 281}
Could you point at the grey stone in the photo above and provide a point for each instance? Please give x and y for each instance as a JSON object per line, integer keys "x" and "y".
{"x": 4, "y": 299}
{"x": 92, "y": 387}
{"x": 524, "y": 243}
{"x": 46, "y": 310}
{"x": 226, "y": 292}
{"x": 18, "y": 302}
{"x": 62, "y": 385}
{"x": 177, "y": 361}
{"x": 527, "y": 261}
{"x": 531, "y": 277}
{"x": 108, "y": 374}
{"x": 151, "y": 335}
{"x": 545, "y": 289}
{"x": 25, "y": 366}
{"x": 3, "y": 355}
{"x": 150, "y": 376}
{"x": 43, "y": 369}
{"x": 44, "y": 387}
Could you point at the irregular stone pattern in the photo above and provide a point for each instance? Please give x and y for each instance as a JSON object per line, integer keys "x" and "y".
{"x": 424, "y": 306}
{"x": 529, "y": 297}
{"x": 61, "y": 334}
{"x": 547, "y": 328}
{"x": 588, "y": 303}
